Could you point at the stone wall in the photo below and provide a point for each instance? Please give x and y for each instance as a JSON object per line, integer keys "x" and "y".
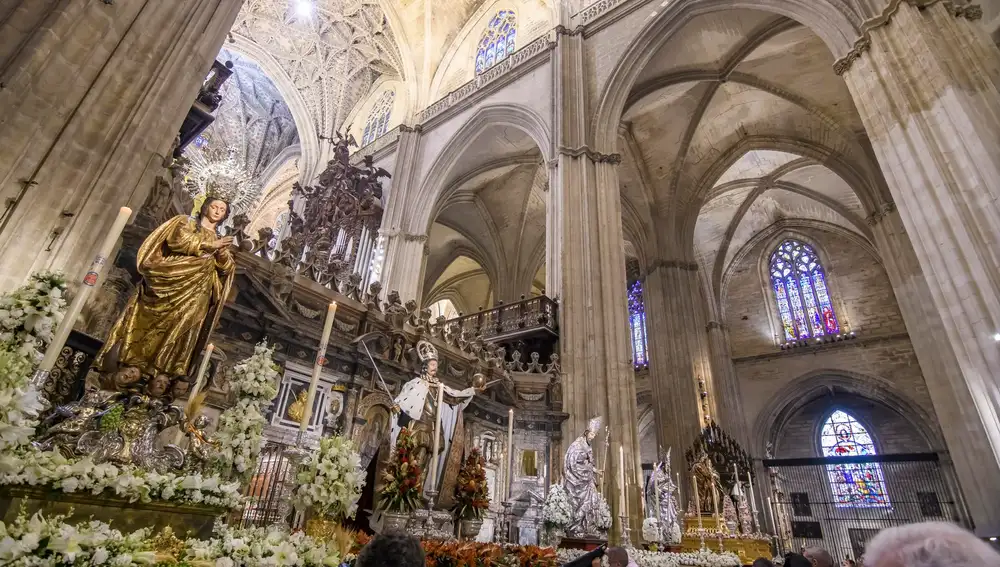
{"x": 865, "y": 304}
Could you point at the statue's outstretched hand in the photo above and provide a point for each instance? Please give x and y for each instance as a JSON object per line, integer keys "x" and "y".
{"x": 224, "y": 242}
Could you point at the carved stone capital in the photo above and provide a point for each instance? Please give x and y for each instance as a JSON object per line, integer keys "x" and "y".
{"x": 671, "y": 265}
{"x": 970, "y": 12}
{"x": 712, "y": 325}
{"x": 596, "y": 157}
{"x": 877, "y": 216}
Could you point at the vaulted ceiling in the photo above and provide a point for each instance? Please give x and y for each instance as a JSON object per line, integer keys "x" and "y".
{"x": 736, "y": 124}
{"x": 490, "y": 224}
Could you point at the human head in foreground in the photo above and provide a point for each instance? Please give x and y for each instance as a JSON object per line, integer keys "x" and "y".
{"x": 796, "y": 560}
{"x": 617, "y": 557}
{"x": 929, "y": 544}
{"x": 819, "y": 557}
{"x": 763, "y": 562}
{"x": 392, "y": 549}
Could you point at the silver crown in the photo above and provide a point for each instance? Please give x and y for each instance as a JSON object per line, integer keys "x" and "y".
{"x": 594, "y": 425}
{"x": 426, "y": 351}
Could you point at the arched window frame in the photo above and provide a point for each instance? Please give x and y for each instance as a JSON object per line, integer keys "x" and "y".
{"x": 861, "y": 443}
{"x": 782, "y": 332}
{"x": 637, "y": 324}
{"x": 498, "y": 41}
{"x": 378, "y": 119}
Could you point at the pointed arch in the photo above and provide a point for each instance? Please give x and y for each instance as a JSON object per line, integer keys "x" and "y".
{"x": 498, "y": 40}
{"x": 853, "y": 484}
{"x": 801, "y": 292}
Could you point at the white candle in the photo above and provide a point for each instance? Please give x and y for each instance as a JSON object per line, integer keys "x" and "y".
{"x": 623, "y": 499}
{"x": 753, "y": 504}
{"x": 680, "y": 502}
{"x": 656, "y": 491}
{"x": 331, "y": 314}
{"x": 437, "y": 437}
{"x": 770, "y": 512}
{"x": 199, "y": 379}
{"x": 90, "y": 281}
{"x": 715, "y": 504}
{"x": 697, "y": 501}
{"x": 510, "y": 450}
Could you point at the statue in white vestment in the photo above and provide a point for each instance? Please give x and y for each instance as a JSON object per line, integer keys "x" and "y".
{"x": 661, "y": 501}
{"x": 580, "y": 482}
{"x": 417, "y": 403}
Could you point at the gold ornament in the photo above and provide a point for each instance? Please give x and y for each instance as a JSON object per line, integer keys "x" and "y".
{"x": 297, "y": 409}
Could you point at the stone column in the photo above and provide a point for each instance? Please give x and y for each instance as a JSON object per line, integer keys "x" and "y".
{"x": 677, "y": 356}
{"x": 966, "y": 438}
{"x": 926, "y": 85}
{"x": 402, "y": 269}
{"x": 598, "y": 376}
{"x": 553, "y": 238}
{"x": 93, "y": 96}
{"x": 725, "y": 387}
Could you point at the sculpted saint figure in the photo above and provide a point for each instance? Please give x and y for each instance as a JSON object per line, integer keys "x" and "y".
{"x": 661, "y": 501}
{"x": 707, "y": 476}
{"x": 417, "y": 402}
{"x": 580, "y": 482}
{"x": 187, "y": 271}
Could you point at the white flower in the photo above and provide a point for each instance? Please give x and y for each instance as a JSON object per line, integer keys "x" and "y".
{"x": 225, "y": 562}
{"x": 100, "y": 556}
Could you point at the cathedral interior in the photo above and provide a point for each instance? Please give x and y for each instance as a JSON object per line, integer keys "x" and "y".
{"x": 764, "y": 231}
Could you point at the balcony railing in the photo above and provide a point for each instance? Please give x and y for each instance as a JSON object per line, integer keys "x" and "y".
{"x": 503, "y": 321}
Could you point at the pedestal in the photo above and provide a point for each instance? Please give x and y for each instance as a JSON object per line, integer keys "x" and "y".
{"x": 747, "y": 547}
{"x": 185, "y": 520}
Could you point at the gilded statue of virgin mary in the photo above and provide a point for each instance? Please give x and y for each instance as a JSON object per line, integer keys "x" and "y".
{"x": 187, "y": 271}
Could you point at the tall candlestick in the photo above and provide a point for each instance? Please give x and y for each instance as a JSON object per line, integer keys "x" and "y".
{"x": 753, "y": 504}
{"x": 770, "y": 512}
{"x": 656, "y": 491}
{"x": 697, "y": 501}
{"x": 715, "y": 504}
{"x": 680, "y": 501}
{"x": 510, "y": 451}
{"x": 622, "y": 498}
{"x": 433, "y": 474}
{"x": 331, "y": 314}
{"x": 90, "y": 281}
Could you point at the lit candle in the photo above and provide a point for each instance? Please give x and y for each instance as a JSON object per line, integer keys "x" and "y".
{"x": 510, "y": 449}
{"x": 715, "y": 504}
{"x": 753, "y": 504}
{"x": 437, "y": 437}
{"x": 331, "y": 314}
{"x": 680, "y": 502}
{"x": 90, "y": 281}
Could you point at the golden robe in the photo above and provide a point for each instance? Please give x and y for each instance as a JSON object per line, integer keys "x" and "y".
{"x": 178, "y": 302}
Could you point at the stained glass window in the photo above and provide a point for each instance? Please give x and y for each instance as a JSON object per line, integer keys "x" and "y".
{"x": 498, "y": 40}
{"x": 378, "y": 119}
{"x": 800, "y": 291}
{"x": 637, "y": 324}
{"x": 854, "y": 485}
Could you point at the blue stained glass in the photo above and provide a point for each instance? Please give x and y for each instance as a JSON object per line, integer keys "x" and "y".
{"x": 801, "y": 293}
{"x": 498, "y": 41}
{"x": 854, "y": 485}
{"x": 637, "y": 322}
{"x": 786, "y": 315}
{"x": 378, "y": 118}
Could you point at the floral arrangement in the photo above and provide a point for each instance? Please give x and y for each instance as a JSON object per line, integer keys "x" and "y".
{"x": 28, "y": 317}
{"x": 240, "y": 432}
{"x": 603, "y": 512}
{"x": 30, "y": 314}
{"x": 472, "y": 497}
{"x": 52, "y": 470}
{"x": 557, "y": 512}
{"x": 473, "y": 554}
{"x": 255, "y": 547}
{"x": 330, "y": 479}
{"x": 401, "y": 478}
{"x": 663, "y": 559}
{"x": 651, "y": 530}
{"x": 48, "y": 542}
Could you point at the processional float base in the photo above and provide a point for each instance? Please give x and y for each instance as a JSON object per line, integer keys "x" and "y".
{"x": 185, "y": 520}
